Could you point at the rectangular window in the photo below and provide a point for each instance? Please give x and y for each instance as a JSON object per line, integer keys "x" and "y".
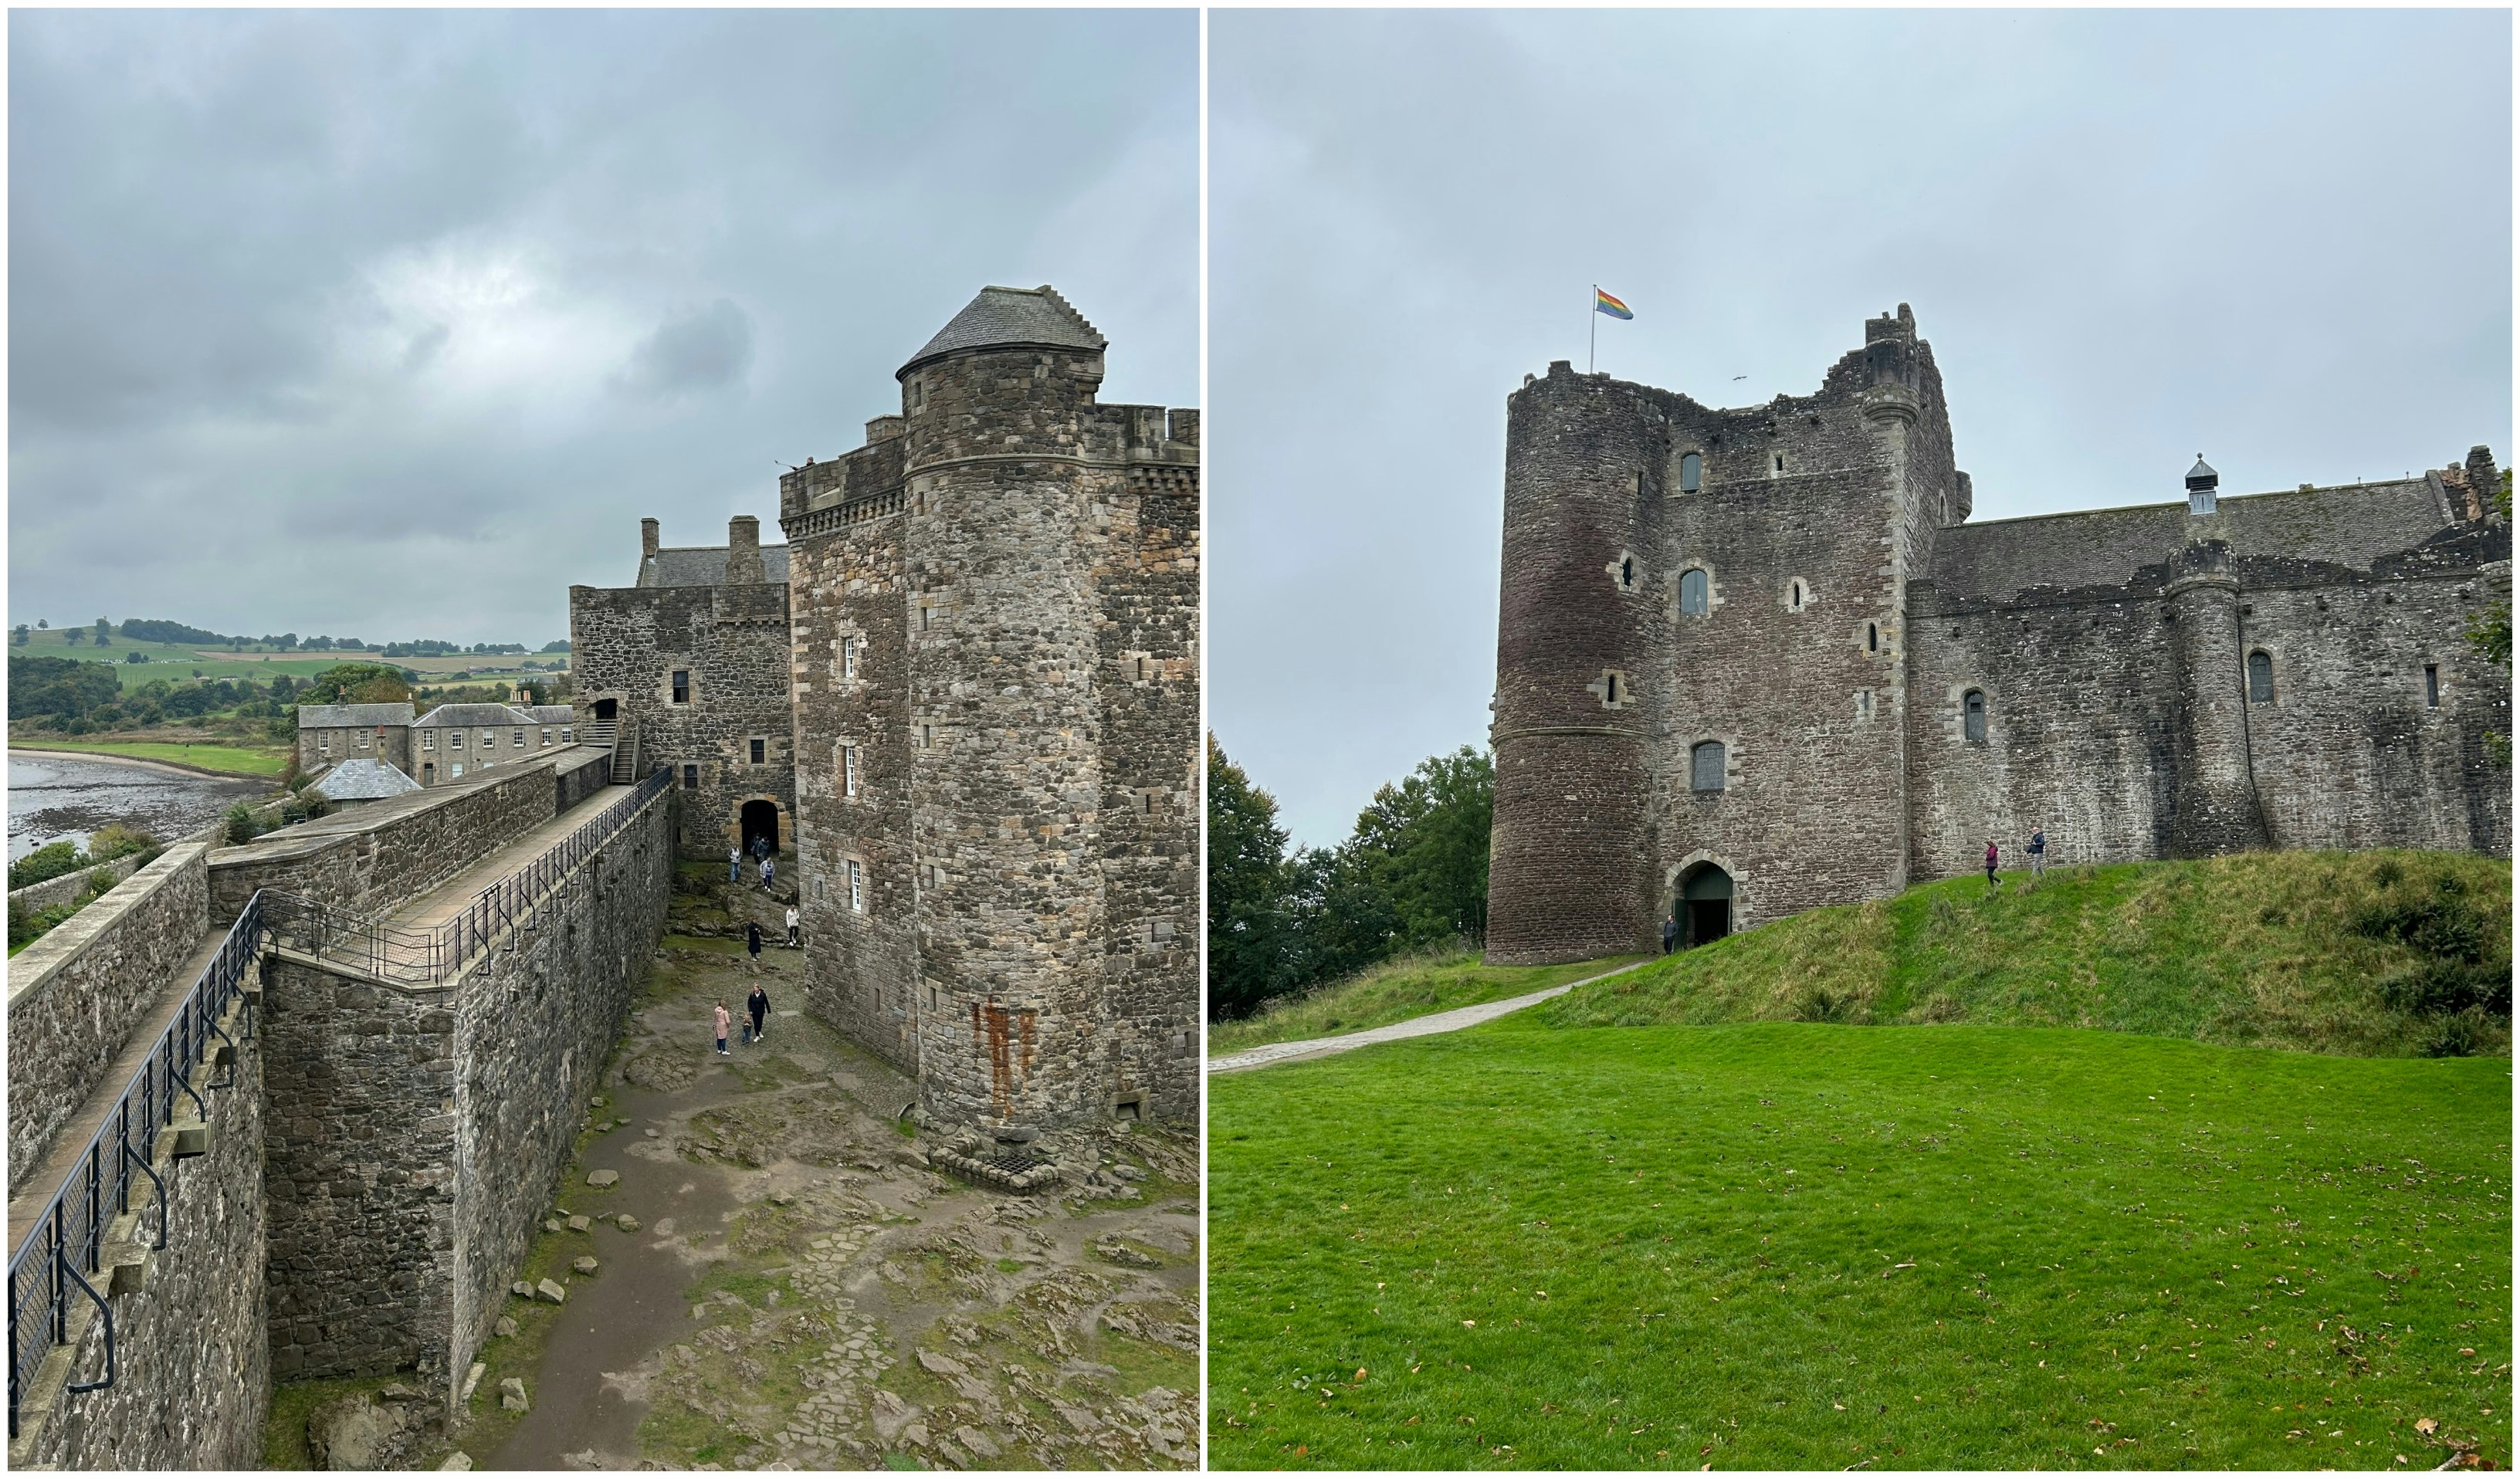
{"x": 520, "y": 740}
{"x": 682, "y": 686}
{"x": 857, "y": 886}
{"x": 363, "y": 734}
{"x": 458, "y": 771}
{"x": 691, "y": 777}
{"x": 565, "y": 736}
{"x": 429, "y": 739}
{"x": 759, "y": 746}
{"x": 454, "y": 739}
{"x": 324, "y": 741}
{"x": 2432, "y": 685}
{"x": 849, "y": 658}
{"x": 489, "y": 739}
{"x": 546, "y": 744}
{"x": 848, "y": 769}
{"x": 927, "y": 736}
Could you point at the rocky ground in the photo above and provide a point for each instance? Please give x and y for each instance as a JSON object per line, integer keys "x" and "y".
{"x": 772, "y": 1276}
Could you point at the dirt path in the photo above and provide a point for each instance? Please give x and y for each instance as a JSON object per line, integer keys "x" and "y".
{"x": 1423, "y": 1026}
{"x": 794, "y": 1288}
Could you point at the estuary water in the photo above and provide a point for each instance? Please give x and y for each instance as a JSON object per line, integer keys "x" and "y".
{"x": 53, "y": 796}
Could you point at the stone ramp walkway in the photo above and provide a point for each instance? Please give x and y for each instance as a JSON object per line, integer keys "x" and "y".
{"x": 1424, "y": 1026}
{"x": 447, "y": 899}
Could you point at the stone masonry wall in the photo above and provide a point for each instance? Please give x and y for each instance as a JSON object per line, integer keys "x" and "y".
{"x": 375, "y": 856}
{"x": 626, "y": 645}
{"x": 76, "y": 994}
{"x": 193, "y": 1384}
{"x": 534, "y": 1023}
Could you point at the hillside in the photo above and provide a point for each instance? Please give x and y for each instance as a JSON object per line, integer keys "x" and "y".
{"x": 1394, "y": 992}
{"x": 2378, "y": 954}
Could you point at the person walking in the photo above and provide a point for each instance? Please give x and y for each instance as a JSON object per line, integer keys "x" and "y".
{"x": 1670, "y": 932}
{"x": 722, "y": 1020}
{"x": 734, "y": 864}
{"x": 759, "y": 1004}
{"x": 1990, "y": 864}
{"x": 2038, "y": 852}
{"x": 768, "y": 868}
{"x": 753, "y": 943}
{"x": 793, "y": 942}
{"x": 760, "y": 847}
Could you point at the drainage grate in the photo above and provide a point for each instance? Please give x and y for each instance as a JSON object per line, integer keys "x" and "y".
{"x": 1014, "y": 1162}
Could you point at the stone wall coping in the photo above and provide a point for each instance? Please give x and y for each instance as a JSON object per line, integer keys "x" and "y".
{"x": 35, "y": 967}
{"x": 321, "y": 833}
{"x": 71, "y": 884}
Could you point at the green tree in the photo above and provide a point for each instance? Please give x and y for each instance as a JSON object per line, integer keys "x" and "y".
{"x": 74, "y": 635}
{"x": 1247, "y": 881}
{"x": 104, "y": 632}
{"x": 19, "y": 635}
{"x": 41, "y": 623}
{"x": 357, "y": 683}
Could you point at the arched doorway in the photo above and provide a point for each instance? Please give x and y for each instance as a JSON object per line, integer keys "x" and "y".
{"x": 1705, "y": 905}
{"x": 606, "y": 710}
{"x": 759, "y": 819}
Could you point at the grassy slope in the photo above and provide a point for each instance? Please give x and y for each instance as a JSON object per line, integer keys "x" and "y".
{"x": 1394, "y": 993}
{"x": 176, "y": 662}
{"x": 2245, "y": 950}
{"x": 1790, "y": 1245}
{"x": 239, "y": 760}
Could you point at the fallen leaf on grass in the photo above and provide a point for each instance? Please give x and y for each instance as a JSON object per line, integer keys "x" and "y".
{"x": 2426, "y": 1426}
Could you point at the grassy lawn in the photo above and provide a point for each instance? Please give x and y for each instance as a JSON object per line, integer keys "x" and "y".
{"x": 261, "y": 761}
{"x": 1787, "y": 1245}
{"x": 1395, "y": 993}
{"x": 2255, "y": 950}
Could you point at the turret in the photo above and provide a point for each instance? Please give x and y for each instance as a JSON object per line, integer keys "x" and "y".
{"x": 1570, "y": 869}
{"x": 2214, "y": 799}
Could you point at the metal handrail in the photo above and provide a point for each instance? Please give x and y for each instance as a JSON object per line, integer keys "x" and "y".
{"x": 66, "y": 1243}
{"x": 434, "y": 956}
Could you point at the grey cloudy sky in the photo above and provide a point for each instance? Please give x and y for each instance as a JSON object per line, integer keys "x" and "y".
{"x": 393, "y": 324}
{"x": 2283, "y": 238}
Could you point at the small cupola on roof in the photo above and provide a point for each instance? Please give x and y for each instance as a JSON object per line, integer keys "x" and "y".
{"x": 2201, "y": 481}
{"x": 1010, "y": 318}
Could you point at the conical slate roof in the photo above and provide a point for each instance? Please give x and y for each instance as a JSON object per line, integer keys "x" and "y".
{"x": 1005, "y": 317}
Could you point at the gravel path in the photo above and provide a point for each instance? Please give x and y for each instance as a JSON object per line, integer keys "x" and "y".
{"x": 1425, "y": 1026}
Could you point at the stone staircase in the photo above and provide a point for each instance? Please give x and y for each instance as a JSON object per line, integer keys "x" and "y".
{"x": 604, "y": 735}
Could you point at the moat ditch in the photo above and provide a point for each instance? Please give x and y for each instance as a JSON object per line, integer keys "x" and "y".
{"x": 781, "y": 1282}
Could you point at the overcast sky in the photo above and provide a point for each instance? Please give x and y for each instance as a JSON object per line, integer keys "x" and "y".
{"x": 2282, "y": 238}
{"x": 394, "y": 324}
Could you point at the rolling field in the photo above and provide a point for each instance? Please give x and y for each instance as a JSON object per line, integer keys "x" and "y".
{"x": 1395, "y": 993}
{"x": 172, "y": 660}
{"x": 231, "y": 759}
{"x": 1795, "y": 1246}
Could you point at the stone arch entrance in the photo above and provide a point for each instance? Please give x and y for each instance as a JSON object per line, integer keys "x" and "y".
{"x": 1703, "y": 904}
{"x": 607, "y": 710}
{"x": 759, "y": 819}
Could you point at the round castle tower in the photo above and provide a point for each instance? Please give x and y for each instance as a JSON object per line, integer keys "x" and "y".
{"x": 2215, "y": 806}
{"x": 1570, "y": 869}
{"x": 1005, "y": 769}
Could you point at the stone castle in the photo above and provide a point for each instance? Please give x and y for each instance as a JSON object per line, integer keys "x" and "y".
{"x": 965, "y": 693}
{"x": 1753, "y": 661}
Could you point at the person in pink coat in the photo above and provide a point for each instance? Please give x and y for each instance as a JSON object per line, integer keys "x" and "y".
{"x": 721, "y": 1029}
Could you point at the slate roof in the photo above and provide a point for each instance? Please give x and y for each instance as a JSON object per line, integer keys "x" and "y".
{"x": 706, "y": 567}
{"x": 1011, "y": 318}
{"x": 351, "y": 715}
{"x": 551, "y": 713}
{"x": 475, "y": 716}
{"x": 365, "y": 780}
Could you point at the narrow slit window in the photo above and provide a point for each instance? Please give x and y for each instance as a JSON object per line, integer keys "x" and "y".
{"x": 1689, "y": 465}
{"x": 1873, "y": 636}
{"x": 2262, "y": 678}
{"x": 1706, "y": 766}
{"x": 1973, "y": 717}
{"x": 2432, "y": 685}
{"x": 848, "y": 769}
{"x": 1692, "y": 592}
{"x": 1627, "y": 572}
{"x": 849, "y": 658}
{"x": 1795, "y": 596}
{"x": 760, "y": 748}
{"x": 1611, "y": 689}
{"x": 857, "y": 886}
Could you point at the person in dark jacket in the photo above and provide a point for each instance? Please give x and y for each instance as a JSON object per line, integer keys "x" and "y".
{"x": 1990, "y": 864}
{"x": 759, "y": 1004}
{"x": 752, "y": 944}
{"x": 1670, "y": 932}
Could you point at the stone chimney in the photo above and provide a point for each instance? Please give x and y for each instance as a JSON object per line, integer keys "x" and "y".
{"x": 2484, "y": 480}
{"x": 647, "y": 539}
{"x": 743, "y": 550}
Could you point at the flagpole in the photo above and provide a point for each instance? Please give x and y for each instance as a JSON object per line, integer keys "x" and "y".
{"x": 1592, "y": 327}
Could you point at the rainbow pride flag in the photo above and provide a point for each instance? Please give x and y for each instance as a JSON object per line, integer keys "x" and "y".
{"x": 1602, "y": 302}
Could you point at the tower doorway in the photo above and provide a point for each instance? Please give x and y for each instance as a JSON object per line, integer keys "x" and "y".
{"x": 759, "y": 819}
{"x": 1705, "y": 905}
{"x": 606, "y": 710}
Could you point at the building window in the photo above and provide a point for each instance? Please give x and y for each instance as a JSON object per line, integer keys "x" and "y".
{"x": 926, "y": 617}
{"x": 848, "y": 660}
{"x": 691, "y": 777}
{"x": 1781, "y": 461}
{"x": 458, "y": 771}
{"x": 1627, "y": 572}
{"x": 1973, "y": 717}
{"x": 848, "y": 769}
{"x": 454, "y": 739}
{"x": 489, "y": 739}
{"x": 363, "y": 738}
{"x": 565, "y": 736}
{"x": 429, "y": 739}
{"x": 2262, "y": 678}
{"x": 1706, "y": 766}
{"x": 1872, "y": 637}
{"x": 1688, "y": 470}
{"x": 2432, "y": 685}
{"x": 546, "y": 744}
{"x": 857, "y": 886}
{"x": 1692, "y": 592}
{"x": 323, "y": 742}
{"x": 518, "y": 739}
{"x": 682, "y": 686}
{"x": 1610, "y": 687}
{"x": 759, "y": 746}
{"x": 927, "y": 736}
{"x": 1794, "y": 595}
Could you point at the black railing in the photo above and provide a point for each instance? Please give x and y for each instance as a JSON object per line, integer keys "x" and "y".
{"x": 63, "y": 1247}
{"x": 436, "y": 955}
